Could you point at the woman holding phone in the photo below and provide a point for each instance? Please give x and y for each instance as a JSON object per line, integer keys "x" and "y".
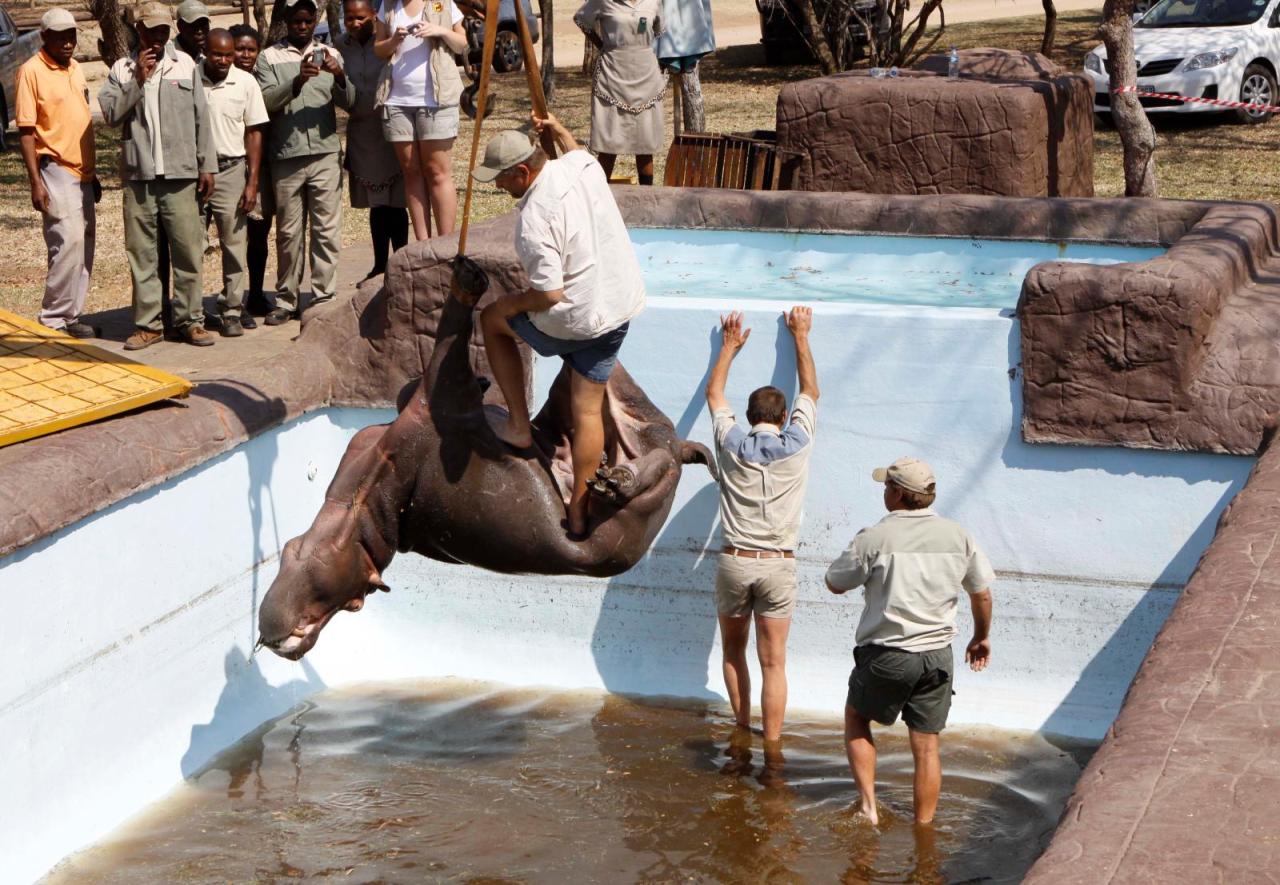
{"x": 420, "y": 104}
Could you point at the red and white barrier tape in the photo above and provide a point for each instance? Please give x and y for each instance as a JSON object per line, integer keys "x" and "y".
{"x": 1218, "y": 102}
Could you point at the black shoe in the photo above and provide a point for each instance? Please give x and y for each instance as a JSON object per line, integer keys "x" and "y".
{"x": 80, "y": 330}
{"x": 278, "y": 317}
{"x": 231, "y": 327}
{"x": 247, "y": 321}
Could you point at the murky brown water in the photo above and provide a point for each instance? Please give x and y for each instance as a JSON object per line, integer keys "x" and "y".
{"x": 471, "y": 782}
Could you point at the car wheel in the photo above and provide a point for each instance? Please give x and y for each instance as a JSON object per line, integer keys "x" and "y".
{"x": 1257, "y": 86}
{"x": 1103, "y": 120}
{"x": 507, "y": 56}
{"x": 4, "y": 120}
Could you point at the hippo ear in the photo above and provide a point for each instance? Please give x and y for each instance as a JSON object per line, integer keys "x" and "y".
{"x": 376, "y": 583}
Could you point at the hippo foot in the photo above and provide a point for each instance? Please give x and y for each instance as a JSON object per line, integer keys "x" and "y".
{"x": 616, "y": 484}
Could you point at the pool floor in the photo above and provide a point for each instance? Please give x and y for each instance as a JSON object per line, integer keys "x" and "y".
{"x": 943, "y": 272}
{"x": 464, "y": 780}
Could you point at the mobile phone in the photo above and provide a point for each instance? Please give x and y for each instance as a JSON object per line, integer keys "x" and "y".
{"x": 317, "y": 57}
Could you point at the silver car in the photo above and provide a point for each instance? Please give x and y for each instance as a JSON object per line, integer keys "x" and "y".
{"x": 15, "y": 49}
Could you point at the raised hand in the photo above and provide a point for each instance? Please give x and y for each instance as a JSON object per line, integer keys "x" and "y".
{"x": 799, "y": 320}
{"x": 147, "y": 61}
{"x": 732, "y": 333}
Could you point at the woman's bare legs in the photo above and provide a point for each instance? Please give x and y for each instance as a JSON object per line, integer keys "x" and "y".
{"x": 415, "y": 188}
{"x": 436, "y": 158}
{"x": 644, "y": 168}
{"x": 607, "y": 161}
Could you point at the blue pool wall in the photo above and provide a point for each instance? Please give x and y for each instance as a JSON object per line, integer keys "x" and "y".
{"x": 134, "y": 668}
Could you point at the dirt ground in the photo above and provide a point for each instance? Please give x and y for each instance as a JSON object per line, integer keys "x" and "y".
{"x": 1199, "y": 157}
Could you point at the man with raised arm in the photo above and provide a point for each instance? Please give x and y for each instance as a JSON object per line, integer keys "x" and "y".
{"x": 763, "y": 473}
{"x": 585, "y": 287}
{"x": 913, "y": 565}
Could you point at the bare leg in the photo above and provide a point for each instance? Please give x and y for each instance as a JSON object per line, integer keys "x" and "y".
{"x": 415, "y": 188}
{"x": 771, "y": 646}
{"x": 606, "y": 162}
{"x": 437, "y": 171}
{"x": 586, "y": 400}
{"x": 928, "y": 775}
{"x": 644, "y": 168}
{"x": 734, "y": 633}
{"x": 508, "y": 371}
{"x": 860, "y": 747}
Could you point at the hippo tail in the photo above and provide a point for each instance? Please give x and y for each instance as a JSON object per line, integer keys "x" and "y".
{"x": 697, "y": 453}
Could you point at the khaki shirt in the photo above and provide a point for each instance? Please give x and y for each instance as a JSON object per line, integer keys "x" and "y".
{"x": 913, "y": 564}
{"x": 570, "y": 235}
{"x": 305, "y": 124}
{"x": 178, "y": 111}
{"x": 763, "y": 474}
{"x": 54, "y": 101}
{"x": 235, "y": 105}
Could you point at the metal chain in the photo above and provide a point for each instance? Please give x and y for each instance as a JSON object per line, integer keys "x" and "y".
{"x": 622, "y": 106}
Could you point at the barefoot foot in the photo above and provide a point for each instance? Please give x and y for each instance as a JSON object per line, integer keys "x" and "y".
{"x": 507, "y": 432}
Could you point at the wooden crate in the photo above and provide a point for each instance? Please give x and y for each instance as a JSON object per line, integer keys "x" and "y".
{"x": 739, "y": 161}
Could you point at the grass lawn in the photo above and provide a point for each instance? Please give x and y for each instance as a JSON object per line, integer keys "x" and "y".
{"x": 1204, "y": 158}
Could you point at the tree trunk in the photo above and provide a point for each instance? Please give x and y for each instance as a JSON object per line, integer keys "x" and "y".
{"x": 275, "y": 30}
{"x": 1137, "y": 136}
{"x": 261, "y": 20}
{"x": 695, "y": 114}
{"x": 1050, "y": 27}
{"x": 333, "y": 15}
{"x": 245, "y": 7}
{"x": 548, "y": 51}
{"x": 115, "y": 32}
{"x": 817, "y": 38}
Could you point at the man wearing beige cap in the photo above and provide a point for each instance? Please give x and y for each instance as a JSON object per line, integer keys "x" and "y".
{"x": 913, "y": 565}
{"x": 763, "y": 474}
{"x": 56, "y": 132}
{"x": 584, "y": 289}
{"x": 167, "y": 164}
{"x": 193, "y": 29}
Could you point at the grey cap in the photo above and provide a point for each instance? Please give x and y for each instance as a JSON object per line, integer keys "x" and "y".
{"x": 506, "y": 149}
{"x": 153, "y": 15}
{"x": 191, "y": 11}
{"x": 57, "y": 20}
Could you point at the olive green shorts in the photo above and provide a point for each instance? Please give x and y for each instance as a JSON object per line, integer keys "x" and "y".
{"x": 886, "y": 682}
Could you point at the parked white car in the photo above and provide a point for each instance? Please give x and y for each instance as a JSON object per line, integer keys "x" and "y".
{"x": 1227, "y": 49}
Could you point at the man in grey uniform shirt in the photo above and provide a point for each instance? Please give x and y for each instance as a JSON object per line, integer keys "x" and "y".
{"x": 913, "y": 564}
{"x": 762, "y": 481}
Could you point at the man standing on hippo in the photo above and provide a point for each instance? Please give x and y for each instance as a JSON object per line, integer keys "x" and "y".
{"x": 585, "y": 287}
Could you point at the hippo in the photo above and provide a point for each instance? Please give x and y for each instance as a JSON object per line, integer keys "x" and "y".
{"x": 438, "y": 482}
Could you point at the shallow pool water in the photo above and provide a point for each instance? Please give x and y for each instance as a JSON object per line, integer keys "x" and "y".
{"x": 948, "y": 272}
{"x": 470, "y": 781}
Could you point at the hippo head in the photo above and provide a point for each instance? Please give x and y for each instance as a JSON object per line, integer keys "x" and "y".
{"x": 317, "y": 579}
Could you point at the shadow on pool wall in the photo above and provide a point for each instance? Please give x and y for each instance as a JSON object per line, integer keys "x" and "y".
{"x": 136, "y": 668}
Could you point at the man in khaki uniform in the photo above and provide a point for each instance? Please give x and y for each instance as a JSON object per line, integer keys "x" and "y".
{"x": 167, "y": 164}
{"x": 763, "y": 473}
{"x": 913, "y": 564}
{"x": 57, "y": 148}
{"x": 301, "y": 82}
{"x": 238, "y": 115}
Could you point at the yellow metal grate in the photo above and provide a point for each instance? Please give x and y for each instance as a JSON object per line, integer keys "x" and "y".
{"x": 50, "y": 381}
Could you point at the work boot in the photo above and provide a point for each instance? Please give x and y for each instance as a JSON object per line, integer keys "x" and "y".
{"x": 80, "y": 330}
{"x": 278, "y": 317}
{"x": 142, "y": 338}
{"x": 231, "y": 327}
{"x": 196, "y": 334}
{"x": 247, "y": 321}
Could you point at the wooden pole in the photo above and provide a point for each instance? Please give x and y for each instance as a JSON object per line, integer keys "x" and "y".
{"x": 486, "y": 67}
{"x": 534, "y": 77}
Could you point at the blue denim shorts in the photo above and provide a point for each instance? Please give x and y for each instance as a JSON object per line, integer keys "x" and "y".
{"x": 592, "y": 358}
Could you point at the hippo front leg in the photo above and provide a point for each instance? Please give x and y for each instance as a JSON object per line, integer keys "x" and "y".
{"x": 623, "y": 482}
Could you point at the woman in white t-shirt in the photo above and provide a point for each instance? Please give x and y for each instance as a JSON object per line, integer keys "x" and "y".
{"x": 420, "y": 113}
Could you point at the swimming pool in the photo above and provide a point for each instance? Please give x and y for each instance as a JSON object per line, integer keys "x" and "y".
{"x": 936, "y": 271}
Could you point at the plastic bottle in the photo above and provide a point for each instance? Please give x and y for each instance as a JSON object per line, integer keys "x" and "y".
{"x": 953, "y": 65}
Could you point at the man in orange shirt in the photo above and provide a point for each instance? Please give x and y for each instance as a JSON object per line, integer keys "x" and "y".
{"x": 57, "y": 148}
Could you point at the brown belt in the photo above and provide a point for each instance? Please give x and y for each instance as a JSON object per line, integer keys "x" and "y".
{"x": 758, "y": 554}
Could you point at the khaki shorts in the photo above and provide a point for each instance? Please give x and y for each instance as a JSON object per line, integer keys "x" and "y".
{"x": 764, "y": 586}
{"x": 419, "y": 124}
{"x": 888, "y": 681}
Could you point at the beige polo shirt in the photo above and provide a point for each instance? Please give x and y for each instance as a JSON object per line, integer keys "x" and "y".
{"x": 235, "y": 105}
{"x": 570, "y": 235}
{"x": 763, "y": 475}
{"x": 913, "y": 564}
